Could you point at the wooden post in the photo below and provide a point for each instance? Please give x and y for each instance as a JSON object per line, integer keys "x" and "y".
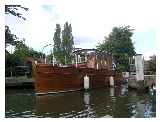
{"x": 96, "y": 62}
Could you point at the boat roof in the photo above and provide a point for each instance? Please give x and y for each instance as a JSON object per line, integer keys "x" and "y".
{"x": 77, "y": 50}
{"x": 96, "y": 51}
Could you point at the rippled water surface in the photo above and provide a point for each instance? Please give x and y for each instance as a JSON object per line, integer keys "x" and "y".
{"x": 111, "y": 102}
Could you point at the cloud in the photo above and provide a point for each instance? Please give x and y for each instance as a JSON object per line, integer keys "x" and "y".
{"x": 91, "y": 20}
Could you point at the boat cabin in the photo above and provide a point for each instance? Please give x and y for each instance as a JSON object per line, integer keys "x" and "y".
{"x": 92, "y": 58}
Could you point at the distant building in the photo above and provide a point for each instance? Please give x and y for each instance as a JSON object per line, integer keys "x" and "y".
{"x": 147, "y": 67}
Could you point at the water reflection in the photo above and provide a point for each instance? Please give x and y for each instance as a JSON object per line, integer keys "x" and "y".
{"x": 111, "y": 91}
{"x": 111, "y": 102}
{"x": 89, "y": 112}
{"x": 140, "y": 105}
{"x": 20, "y": 103}
{"x": 59, "y": 105}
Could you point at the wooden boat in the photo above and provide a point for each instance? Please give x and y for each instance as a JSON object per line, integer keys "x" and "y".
{"x": 90, "y": 64}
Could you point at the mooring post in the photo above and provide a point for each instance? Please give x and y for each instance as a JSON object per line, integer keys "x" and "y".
{"x": 35, "y": 62}
{"x": 86, "y": 82}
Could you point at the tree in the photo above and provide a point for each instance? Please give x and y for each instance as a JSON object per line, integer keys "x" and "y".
{"x": 67, "y": 43}
{"x": 119, "y": 44}
{"x": 24, "y": 52}
{"x": 9, "y": 37}
{"x": 12, "y": 9}
{"x": 21, "y": 50}
{"x": 20, "y": 57}
{"x": 57, "y": 50}
{"x": 50, "y": 57}
{"x": 35, "y": 54}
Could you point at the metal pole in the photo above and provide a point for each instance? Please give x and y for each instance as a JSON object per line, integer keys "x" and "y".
{"x": 76, "y": 60}
{"x": 85, "y": 57}
{"x": 65, "y": 60}
{"x": 11, "y": 71}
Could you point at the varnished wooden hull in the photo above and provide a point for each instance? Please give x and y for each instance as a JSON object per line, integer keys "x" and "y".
{"x": 57, "y": 79}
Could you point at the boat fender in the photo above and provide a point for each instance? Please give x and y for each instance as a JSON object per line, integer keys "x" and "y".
{"x": 111, "y": 81}
{"x": 86, "y": 82}
{"x": 35, "y": 62}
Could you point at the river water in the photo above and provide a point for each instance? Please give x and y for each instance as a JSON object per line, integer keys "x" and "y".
{"x": 116, "y": 102}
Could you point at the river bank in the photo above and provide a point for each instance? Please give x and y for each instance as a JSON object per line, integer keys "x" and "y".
{"x": 19, "y": 82}
{"x": 149, "y": 81}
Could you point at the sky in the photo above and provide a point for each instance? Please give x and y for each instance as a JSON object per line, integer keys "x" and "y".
{"x": 91, "y": 21}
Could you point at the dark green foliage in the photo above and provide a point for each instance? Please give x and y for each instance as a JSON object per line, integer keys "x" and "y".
{"x": 9, "y": 37}
{"x": 119, "y": 44}
{"x": 50, "y": 57}
{"x": 19, "y": 58}
{"x": 63, "y": 47}
{"x": 21, "y": 50}
{"x": 24, "y": 52}
{"x": 11, "y": 61}
{"x": 35, "y": 54}
{"x": 67, "y": 43}
{"x": 57, "y": 50}
{"x": 12, "y": 9}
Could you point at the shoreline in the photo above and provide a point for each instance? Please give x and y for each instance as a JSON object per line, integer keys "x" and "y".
{"x": 19, "y": 82}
